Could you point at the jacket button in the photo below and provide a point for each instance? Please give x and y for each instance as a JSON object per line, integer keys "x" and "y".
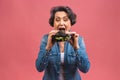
{"x": 44, "y": 63}
{"x": 58, "y": 62}
{"x": 58, "y": 72}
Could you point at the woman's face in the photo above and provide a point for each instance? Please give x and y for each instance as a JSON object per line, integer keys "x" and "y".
{"x": 61, "y": 20}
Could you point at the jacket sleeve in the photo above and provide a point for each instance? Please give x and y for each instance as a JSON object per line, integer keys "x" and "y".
{"x": 82, "y": 60}
{"x": 42, "y": 59}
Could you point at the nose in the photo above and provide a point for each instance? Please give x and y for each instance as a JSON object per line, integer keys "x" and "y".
{"x": 61, "y": 22}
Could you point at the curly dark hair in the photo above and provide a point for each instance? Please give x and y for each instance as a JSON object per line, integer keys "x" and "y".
{"x": 71, "y": 14}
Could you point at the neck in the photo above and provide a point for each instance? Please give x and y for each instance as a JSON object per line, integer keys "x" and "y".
{"x": 61, "y": 44}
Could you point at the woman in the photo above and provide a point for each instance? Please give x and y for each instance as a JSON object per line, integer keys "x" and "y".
{"x": 61, "y": 60}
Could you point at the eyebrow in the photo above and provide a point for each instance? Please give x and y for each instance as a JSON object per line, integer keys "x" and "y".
{"x": 62, "y": 17}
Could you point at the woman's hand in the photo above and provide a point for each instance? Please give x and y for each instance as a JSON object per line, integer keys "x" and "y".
{"x": 50, "y": 43}
{"x": 74, "y": 39}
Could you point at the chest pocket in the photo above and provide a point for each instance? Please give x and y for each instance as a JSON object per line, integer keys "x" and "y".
{"x": 71, "y": 58}
{"x": 53, "y": 58}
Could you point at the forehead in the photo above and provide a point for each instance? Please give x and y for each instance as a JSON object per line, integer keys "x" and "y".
{"x": 60, "y": 14}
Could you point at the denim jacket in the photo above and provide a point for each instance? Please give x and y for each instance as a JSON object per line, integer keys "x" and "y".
{"x": 74, "y": 60}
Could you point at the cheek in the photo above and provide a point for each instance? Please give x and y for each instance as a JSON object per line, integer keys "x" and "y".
{"x": 68, "y": 25}
{"x": 68, "y": 28}
{"x": 55, "y": 25}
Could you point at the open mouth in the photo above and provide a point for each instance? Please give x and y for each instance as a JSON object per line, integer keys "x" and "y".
{"x": 61, "y": 28}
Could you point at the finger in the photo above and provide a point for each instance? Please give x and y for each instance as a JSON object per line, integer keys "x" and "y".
{"x": 53, "y": 31}
{"x": 70, "y": 33}
{"x": 76, "y": 35}
{"x": 71, "y": 42}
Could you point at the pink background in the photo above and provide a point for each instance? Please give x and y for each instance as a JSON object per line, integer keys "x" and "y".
{"x": 23, "y": 22}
